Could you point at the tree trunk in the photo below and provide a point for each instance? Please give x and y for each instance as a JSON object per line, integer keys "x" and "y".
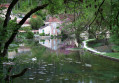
{"x": 78, "y": 39}
{"x": 12, "y": 37}
{"x": 7, "y": 16}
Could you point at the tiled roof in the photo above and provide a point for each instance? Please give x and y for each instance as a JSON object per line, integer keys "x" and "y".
{"x": 4, "y": 5}
{"x": 67, "y": 17}
{"x": 53, "y": 19}
{"x": 44, "y": 26}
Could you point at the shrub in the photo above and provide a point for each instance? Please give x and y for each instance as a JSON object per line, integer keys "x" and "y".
{"x": 115, "y": 48}
{"x": 47, "y": 34}
{"x": 52, "y": 36}
{"x": 36, "y": 23}
{"x": 29, "y": 35}
{"x": 42, "y": 40}
{"x": 42, "y": 34}
{"x": 57, "y": 27}
{"x": 42, "y": 14}
{"x": 27, "y": 29}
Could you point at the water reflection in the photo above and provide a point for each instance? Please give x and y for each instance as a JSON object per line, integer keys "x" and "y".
{"x": 51, "y": 43}
{"x": 58, "y": 45}
{"x": 69, "y": 67}
{"x": 20, "y": 50}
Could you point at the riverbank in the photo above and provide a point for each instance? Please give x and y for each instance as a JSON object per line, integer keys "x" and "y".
{"x": 112, "y": 55}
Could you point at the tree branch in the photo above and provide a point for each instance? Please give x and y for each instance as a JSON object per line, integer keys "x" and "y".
{"x": 20, "y": 74}
{"x": 7, "y": 16}
{"x": 117, "y": 18}
{"x": 7, "y": 78}
{"x": 97, "y": 13}
{"x": 10, "y": 40}
{"x": 31, "y": 12}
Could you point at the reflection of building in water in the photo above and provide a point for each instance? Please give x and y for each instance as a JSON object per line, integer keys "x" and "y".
{"x": 23, "y": 49}
{"x": 51, "y": 43}
{"x": 12, "y": 54}
{"x": 20, "y": 50}
{"x": 57, "y": 45}
{"x": 64, "y": 47}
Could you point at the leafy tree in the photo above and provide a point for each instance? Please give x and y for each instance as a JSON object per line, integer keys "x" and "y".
{"x": 93, "y": 16}
{"x": 52, "y": 6}
{"x": 36, "y": 23}
{"x": 6, "y": 42}
{"x": 29, "y": 35}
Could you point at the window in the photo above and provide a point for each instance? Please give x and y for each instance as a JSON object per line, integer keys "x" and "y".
{"x": 42, "y": 31}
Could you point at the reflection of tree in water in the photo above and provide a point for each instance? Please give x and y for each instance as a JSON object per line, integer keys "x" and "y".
{"x": 68, "y": 43}
{"x": 116, "y": 80}
{"x": 1, "y": 70}
{"x": 9, "y": 78}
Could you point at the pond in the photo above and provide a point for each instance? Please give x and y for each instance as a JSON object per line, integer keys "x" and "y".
{"x": 50, "y": 61}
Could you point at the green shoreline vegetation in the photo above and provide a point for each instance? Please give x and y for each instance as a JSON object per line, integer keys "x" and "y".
{"x": 111, "y": 55}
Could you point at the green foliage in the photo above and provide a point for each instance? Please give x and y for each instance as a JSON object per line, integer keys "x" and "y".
{"x": 24, "y": 6}
{"x": 36, "y": 23}
{"x": 63, "y": 35}
{"x": 42, "y": 34}
{"x": 55, "y": 6}
{"x": 116, "y": 48}
{"x": 27, "y": 29}
{"x": 52, "y": 36}
{"x": 42, "y": 40}
{"x": 29, "y": 35}
{"x": 115, "y": 35}
{"x": 113, "y": 55}
{"x": 42, "y": 14}
{"x": 47, "y": 34}
{"x": 57, "y": 27}
{"x": 1, "y": 22}
{"x": 9, "y": 30}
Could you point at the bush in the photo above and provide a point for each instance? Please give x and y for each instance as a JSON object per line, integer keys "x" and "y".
{"x": 36, "y": 23}
{"x": 47, "y": 34}
{"x": 52, "y": 36}
{"x": 27, "y": 29}
{"x": 42, "y": 34}
{"x": 29, "y": 35}
{"x": 42, "y": 14}
{"x": 115, "y": 35}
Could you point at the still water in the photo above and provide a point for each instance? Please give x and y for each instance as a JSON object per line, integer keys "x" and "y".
{"x": 51, "y": 61}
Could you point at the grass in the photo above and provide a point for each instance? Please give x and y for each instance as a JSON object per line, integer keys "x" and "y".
{"x": 96, "y": 45}
{"x": 111, "y": 55}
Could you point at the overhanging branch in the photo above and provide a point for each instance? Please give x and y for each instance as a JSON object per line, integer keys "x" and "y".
{"x": 7, "y": 16}
{"x": 20, "y": 74}
{"x": 31, "y": 12}
{"x": 10, "y": 40}
{"x": 97, "y": 13}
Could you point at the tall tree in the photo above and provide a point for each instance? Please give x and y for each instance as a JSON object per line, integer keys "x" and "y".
{"x": 52, "y": 6}
{"x": 5, "y": 44}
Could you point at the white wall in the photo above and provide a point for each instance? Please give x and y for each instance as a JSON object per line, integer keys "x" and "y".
{"x": 47, "y": 30}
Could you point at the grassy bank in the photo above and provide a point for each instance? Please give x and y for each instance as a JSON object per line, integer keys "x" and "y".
{"x": 111, "y": 54}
